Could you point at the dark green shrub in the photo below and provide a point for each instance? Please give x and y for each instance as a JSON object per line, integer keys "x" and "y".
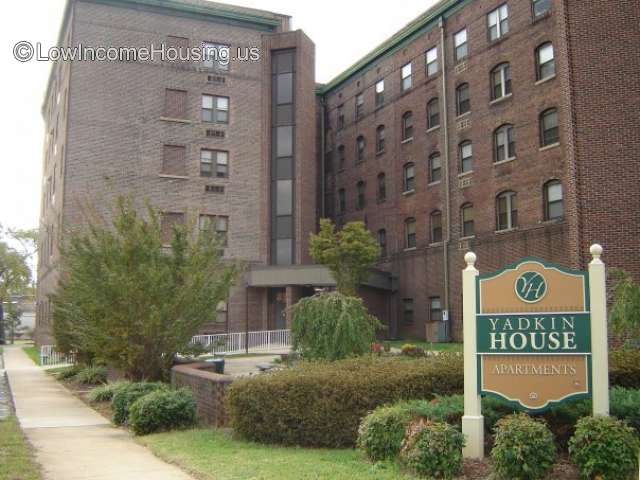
{"x": 605, "y": 448}
{"x": 67, "y": 373}
{"x": 332, "y": 326}
{"x": 625, "y": 405}
{"x": 124, "y": 397}
{"x": 382, "y": 431}
{"x": 523, "y": 448}
{"x": 162, "y": 410}
{"x": 105, "y": 393}
{"x": 624, "y": 368}
{"x": 94, "y": 375}
{"x": 433, "y": 449}
{"x": 322, "y": 403}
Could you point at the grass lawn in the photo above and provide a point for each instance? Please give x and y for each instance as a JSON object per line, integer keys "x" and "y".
{"x": 213, "y": 454}
{"x": 33, "y": 352}
{"x": 443, "y": 347}
{"x": 16, "y": 456}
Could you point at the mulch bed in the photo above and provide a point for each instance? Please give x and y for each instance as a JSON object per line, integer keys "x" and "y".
{"x": 82, "y": 391}
{"x": 481, "y": 470}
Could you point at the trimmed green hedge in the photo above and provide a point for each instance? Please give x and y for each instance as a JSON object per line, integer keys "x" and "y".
{"x": 624, "y": 368}
{"x": 162, "y": 410}
{"x": 322, "y": 403}
{"x": 127, "y": 394}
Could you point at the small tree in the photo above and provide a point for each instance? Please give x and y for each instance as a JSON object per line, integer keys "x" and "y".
{"x": 625, "y": 313}
{"x": 15, "y": 276}
{"x": 348, "y": 253}
{"x": 332, "y": 326}
{"x": 13, "y": 321}
{"x": 126, "y": 300}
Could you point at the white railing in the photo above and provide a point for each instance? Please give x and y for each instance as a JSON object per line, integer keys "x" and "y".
{"x": 49, "y": 356}
{"x": 238, "y": 343}
{"x": 225, "y": 343}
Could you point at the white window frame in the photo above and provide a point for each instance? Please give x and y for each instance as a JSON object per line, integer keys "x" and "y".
{"x": 405, "y": 76}
{"x": 495, "y": 18}
{"x": 431, "y": 59}
{"x": 459, "y": 41}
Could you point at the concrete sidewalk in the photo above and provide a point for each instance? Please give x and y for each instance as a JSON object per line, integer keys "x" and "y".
{"x": 72, "y": 441}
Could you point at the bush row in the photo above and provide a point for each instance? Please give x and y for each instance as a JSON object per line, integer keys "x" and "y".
{"x": 322, "y": 404}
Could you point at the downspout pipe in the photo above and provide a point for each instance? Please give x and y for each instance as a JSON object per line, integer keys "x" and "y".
{"x": 446, "y": 182}
{"x": 322, "y": 156}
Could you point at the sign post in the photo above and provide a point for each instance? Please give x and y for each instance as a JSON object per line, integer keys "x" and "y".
{"x": 535, "y": 335}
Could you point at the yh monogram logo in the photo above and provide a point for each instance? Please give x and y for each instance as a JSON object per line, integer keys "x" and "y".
{"x": 531, "y": 287}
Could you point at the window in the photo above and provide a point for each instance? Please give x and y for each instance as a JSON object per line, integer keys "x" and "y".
{"x": 507, "y": 211}
{"x": 221, "y": 312}
{"x": 407, "y": 311}
{"x": 409, "y": 177}
{"x": 328, "y": 140}
{"x": 405, "y": 74}
{"x": 460, "y": 45}
{"x": 214, "y": 225}
{"x": 167, "y": 223}
{"x": 340, "y": 112}
{"x": 549, "y": 131}
{"x": 380, "y": 139}
{"x": 382, "y": 242}
{"x": 432, "y": 61}
{"x": 382, "y": 188}
{"x": 463, "y": 102}
{"x": 500, "y": 81}
{"x": 498, "y": 22}
{"x": 174, "y": 160}
{"x": 553, "y": 205}
{"x": 540, "y": 8}
{"x": 180, "y": 45}
{"x": 359, "y": 106}
{"x": 545, "y": 63}
{"x": 214, "y": 163}
{"x": 435, "y": 309}
{"x": 435, "y": 168}
{"x": 504, "y": 144}
{"x": 407, "y": 126}
{"x": 465, "y": 151}
{"x": 360, "y": 199}
{"x": 379, "y": 93}
{"x": 360, "y": 144}
{"x": 341, "y": 157}
{"x": 341, "y": 201}
{"x": 410, "y": 233}
{"x": 435, "y": 221}
{"x": 433, "y": 113}
{"x": 466, "y": 216}
{"x": 216, "y": 56}
{"x": 215, "y": 109}
{"x": 284, "y": 141}
{"x": 175, "y": 103}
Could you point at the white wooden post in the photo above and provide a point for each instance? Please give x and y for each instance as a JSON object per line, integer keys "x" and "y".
{"x": 472, "y": 421}
{"x": 599, "y": 339}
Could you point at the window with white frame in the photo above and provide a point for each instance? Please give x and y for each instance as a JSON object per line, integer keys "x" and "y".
{"x": 553, "y": 204}
{"x": 432, "y": 61}
{"x": 215, "y": 109}
{"x": 545, "y": 61}
{"x": 216, "y": 56}
{"x": 507, "y": 211}
{"x": 465, "y": 152}
{"x": 504, "y": 143}
{"x": 460, "y": 46}
{"x": 498, "y": 22}
{"x": 405, "y": 75}
{"x": 500, "y": 81}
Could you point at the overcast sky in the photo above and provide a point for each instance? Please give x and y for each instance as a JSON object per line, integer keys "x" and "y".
{"x": 343, "y": 31}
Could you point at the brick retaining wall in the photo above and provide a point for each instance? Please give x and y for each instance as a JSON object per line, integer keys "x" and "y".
{"x": 208, "y": 390}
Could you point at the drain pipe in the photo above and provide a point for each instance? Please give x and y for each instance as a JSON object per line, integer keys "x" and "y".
{"x": 447, "y": 186}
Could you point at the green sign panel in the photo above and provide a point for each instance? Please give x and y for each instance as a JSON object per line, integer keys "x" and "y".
{"x": 533, "y": 333}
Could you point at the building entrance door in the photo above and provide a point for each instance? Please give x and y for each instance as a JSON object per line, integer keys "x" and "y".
{"x": 278, "y": 308}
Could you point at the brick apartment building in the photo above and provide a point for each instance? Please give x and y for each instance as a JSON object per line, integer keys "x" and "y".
{"x": 511, "y": 128}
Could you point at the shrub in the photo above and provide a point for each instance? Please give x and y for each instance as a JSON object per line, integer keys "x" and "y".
{"x": 381, "y": 432}
{"x": 524, "y": 448}
{"x": 322, "y": 403}
{"x": 124, "y": 397}
{"x": 433, "y": 449}
{"x": 105, "y": 393}
{"x": 625, "y": 405}
{"x": 95, "y": 375}
{"x": 332, "y": 326}
{"x": 70, "y": 372}
{"x": 604, "y": 448}
{"x": 624, "y": 368}
{"x": 412, "y": 350}
{"x": 162, "y": 410}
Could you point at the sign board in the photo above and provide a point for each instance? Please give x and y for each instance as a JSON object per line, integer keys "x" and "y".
{"x": 533, "y": 334}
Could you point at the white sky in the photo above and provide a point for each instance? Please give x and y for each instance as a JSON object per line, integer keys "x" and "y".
{"x": 343, "y": 31}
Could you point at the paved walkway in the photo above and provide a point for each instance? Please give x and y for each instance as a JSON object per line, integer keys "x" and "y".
{"x": 72, "y": 441}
